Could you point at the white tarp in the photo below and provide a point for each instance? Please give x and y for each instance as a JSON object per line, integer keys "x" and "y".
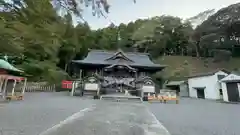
{"x": 150, "y": 89}
{"x": 91, "y": 86}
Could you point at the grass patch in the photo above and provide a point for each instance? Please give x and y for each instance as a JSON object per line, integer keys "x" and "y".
{"x": 179, "y": 67}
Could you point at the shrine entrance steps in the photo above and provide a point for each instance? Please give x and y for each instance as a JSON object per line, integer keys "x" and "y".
{"x": 88, "y": 93}
{"x": 119, "y": 97}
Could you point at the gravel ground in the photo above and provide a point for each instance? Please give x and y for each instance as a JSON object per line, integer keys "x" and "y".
{"x": 198, "y": 117}
{"x": 38, "y": 112}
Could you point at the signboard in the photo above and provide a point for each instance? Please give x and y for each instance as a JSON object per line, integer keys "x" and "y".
{"x": 67, "y": 84}
{"x": 150, "y": 89}
{"x": 91, "y": 86}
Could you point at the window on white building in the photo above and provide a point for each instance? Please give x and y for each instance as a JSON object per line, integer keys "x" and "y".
{"x": 220, "y": 91}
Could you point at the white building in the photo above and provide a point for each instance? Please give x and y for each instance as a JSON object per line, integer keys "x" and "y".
{"x": 181, "y": 87}
{"x": 206, "y": 85}
{"x": 231, "y": 88}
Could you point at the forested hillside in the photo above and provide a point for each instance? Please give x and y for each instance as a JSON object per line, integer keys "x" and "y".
{"x": 36, "y": 39}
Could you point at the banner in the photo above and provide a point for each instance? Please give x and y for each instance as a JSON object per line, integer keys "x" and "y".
{"x": 67, "y": 84}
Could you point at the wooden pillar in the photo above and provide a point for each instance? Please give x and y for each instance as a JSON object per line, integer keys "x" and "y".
{"x": 80, "y": 78}
{"x": 96, "y": 71}
{"x": 24, "y": 86}
{"x": 142, "y": 93}
{"x": 13, "y": 89}
{"x": 136, "y": 74}
{"x": 5, "y": 87}
{"x": 80, "y": 75}
{"x": 101, "y": 72}
{"x": 1, "y": 84}
{"x": 73, "y": 88}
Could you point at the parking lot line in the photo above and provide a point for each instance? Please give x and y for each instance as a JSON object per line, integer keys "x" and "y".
{"x": 158, "y": 123}
{"x": 69, "y": 119}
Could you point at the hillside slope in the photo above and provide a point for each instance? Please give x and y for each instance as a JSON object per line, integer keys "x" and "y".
{"x": 179, "y": 67}
{"x": 200, "y": 18}
{"x": 219, "y": 21}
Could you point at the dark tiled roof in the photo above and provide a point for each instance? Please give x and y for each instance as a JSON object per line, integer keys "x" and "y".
{"x": 235, "y": 72}
{"x": 208, "y": 73}
{"x": 175, "y": 83}
{"x": 102, "y": 57}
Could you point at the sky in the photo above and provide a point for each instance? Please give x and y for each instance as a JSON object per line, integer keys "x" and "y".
{"x": 125, "y": 11}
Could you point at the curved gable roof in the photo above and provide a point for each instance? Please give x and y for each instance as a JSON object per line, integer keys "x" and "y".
{"x": 120, "y": 54}
{"x": 100, "y": 56}
{"x": 7, "y": 66}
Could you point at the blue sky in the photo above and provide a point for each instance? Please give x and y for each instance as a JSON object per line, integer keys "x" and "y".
{"x": 125, "y": 11}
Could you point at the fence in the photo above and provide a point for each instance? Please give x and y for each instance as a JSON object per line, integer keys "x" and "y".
{"x": 39, "y": 87}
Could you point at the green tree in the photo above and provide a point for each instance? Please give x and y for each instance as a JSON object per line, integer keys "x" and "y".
{"x": 34, "y": 29}
{"x": 219, "y": 30}
{"x": 165, "y": 35}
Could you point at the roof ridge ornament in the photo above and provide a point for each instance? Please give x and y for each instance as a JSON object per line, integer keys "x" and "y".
{"x": 121, "y": 54}
{"x": 126, "y": 65}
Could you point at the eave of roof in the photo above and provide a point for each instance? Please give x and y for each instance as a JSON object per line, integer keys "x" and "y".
{"x": 174, "y": 83}
{"x": 233, "y": 77}
{"x": 154, "y": 66}
{"x": 208, "y": 73}
{"x": 109, "y": 51}
{"x": 7, "y": 66}
{"x": 200, "y": 88}
{"x": 125, "y": 65}
{"x": 98, "y": 57}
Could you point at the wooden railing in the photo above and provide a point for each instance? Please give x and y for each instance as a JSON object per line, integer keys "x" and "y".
{"x": 39, "y": 87}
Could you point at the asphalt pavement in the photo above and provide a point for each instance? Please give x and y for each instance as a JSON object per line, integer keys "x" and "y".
{"x": 110, "y": 118}
{"x": 38, "y": 112}
{"x": 198, "y": 117}
{"x": 60, "y": 114}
